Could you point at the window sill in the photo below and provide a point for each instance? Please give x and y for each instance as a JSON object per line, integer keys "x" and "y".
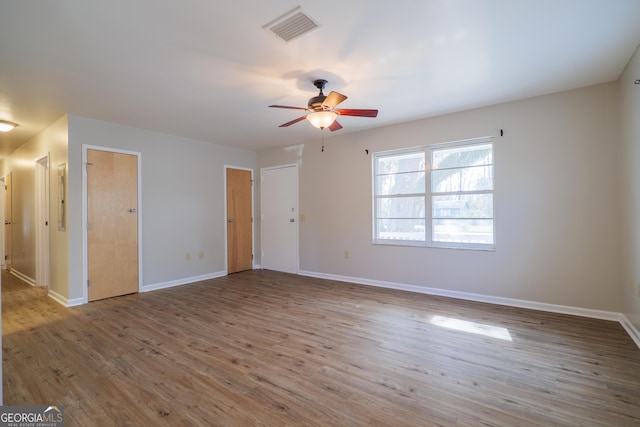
{"x": 437, "y": 245}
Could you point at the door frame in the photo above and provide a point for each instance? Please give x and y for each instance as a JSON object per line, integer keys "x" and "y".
{"x": 7, "y": 257}
{"x": 43, "y": 206}
{"x": 3, "y": 196}
{"x": 85, "y": 215}
{"x": 253, "y": 216}
{"x": 297, "y": 208}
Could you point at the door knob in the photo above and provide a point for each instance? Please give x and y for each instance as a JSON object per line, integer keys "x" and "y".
{"x": 132, "y": 210}
{"x": 230, "y": 220}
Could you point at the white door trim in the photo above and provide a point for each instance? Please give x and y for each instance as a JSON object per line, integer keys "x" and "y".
{"x": 3, "y": 202}
{"x": 42, "y": 178}
{"x": 85, "y": 245}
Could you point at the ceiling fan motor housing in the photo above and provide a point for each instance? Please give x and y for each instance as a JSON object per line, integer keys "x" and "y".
{"x": 315, "y": 103}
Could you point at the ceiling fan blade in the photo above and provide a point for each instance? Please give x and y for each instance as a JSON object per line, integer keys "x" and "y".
{"x": 335, "y": 126}
{"x": 333, "y": 99}
{"x": 357, "y": 113}
{"x": 286, "y": 106}
{"x": 293, "y": 122}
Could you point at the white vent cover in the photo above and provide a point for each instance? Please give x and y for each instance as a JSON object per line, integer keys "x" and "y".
{"x": 291, "y": 25}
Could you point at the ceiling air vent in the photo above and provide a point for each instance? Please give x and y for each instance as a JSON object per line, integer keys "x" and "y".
{"x": 291, "y": 25}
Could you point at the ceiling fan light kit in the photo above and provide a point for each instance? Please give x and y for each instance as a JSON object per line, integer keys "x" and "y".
{"x": 322, "y": 109}
{"x": 6, "y": 126}
{"x": 322, "y": 119}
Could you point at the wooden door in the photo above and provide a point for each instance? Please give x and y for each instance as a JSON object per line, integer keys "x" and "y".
{"x": 7, "y": 223}
{"x": 112, "y": 233}
{"x": 279, "y": 218}
{"x": 239, "y": 220}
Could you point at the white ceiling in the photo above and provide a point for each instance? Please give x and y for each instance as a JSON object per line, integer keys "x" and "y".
{"x": 206, "y": 69}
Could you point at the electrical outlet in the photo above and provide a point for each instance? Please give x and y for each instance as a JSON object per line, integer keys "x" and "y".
{"x": 201, "y": 255}
{"x": 187, "y": 256}
{"x": 346, "y": 254}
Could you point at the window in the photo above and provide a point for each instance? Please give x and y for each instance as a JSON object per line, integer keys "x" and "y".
{"x": 440, "y": 195}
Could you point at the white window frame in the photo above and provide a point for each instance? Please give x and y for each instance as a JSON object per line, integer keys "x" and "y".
{"x": 428, "y": 196}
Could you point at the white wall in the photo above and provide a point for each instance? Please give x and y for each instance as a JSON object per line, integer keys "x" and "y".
{"x": 182, "y": 199}
{"x": 59, "y": 242}
{"x": 630, "y": 125}
{"x": 556, "y": 201}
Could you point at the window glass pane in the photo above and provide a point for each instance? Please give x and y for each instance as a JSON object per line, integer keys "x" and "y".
{"x": 406, "y": 162}
{"x": 404, "y": 183}
{"x": 460, "y": 156}
{"x": 400, "y": 207}
{"x": 463, "y": 206}
{"x": 476, "y": 178}
{"x": 459, "y": 210}
{"x": 463, "y": 230}
{"x": 401, "y": 229}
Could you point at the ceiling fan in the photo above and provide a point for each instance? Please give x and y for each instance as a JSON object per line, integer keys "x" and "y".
{"x": 322, "y": 109}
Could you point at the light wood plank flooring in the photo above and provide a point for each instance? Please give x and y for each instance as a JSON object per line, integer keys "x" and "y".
{"x": 262, "y": 348}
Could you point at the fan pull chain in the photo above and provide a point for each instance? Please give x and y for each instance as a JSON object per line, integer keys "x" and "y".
{"x": 322, "y": 132}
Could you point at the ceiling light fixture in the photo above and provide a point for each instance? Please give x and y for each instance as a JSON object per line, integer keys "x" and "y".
{"x": 6, "y": 126}
{"x": 322, "y": 119}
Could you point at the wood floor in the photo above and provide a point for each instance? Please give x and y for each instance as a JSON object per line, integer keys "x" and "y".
{"x": 262, "y": 348}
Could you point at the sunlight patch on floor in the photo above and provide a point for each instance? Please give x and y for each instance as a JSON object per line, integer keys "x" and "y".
{"x": 472, "y": 327}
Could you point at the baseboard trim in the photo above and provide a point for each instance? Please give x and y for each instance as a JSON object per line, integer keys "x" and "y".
{"x": 185, "y": 281}
{"x": 148, "y": 288}
{"x": 23, "y": 277}
{"x": 64, "y": 300}
{"x": 511, "y": 302}
{"x": 74, "y": 302}
{"x": 631, "y": 329}
{"x": 58, "y": 298}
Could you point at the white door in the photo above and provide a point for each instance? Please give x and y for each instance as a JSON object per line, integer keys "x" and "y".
{"x": 279, "y": 219}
